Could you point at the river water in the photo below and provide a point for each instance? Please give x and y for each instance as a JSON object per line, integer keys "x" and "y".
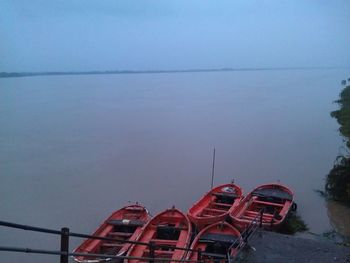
{"x": 75, "y": 148}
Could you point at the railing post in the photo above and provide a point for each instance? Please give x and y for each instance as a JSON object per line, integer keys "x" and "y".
{"x": 64, "y": 244}
{"x": 151, "y": 252}
{"x": 261, "y": 218}
{"x": 245, "y": 238}
{"x": 199, "y": 255}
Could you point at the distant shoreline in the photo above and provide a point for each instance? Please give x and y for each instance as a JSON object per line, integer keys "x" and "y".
{"x": 62, "y": 73}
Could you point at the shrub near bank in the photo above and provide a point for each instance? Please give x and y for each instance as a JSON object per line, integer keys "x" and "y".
{"x": 338, "y": 179}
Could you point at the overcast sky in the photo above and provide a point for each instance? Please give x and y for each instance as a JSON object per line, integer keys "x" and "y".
{"x": 64, "y": 35}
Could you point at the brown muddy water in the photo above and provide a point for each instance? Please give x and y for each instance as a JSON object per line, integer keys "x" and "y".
{"x": 75, "y": 148}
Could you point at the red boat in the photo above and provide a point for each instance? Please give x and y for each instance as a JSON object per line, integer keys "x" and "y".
{"x": 216, "y": 242}
{"x": 274, "y": 200}
{"x": 215, "y": 205}
{"x": 166, "y": 230}
{"x": 124, "y": 224}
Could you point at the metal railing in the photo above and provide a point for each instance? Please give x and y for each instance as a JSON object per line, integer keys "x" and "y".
{"x": 65, "y": 233}
{"x": 65, "y": 254}
{"x": 249, "y": 231}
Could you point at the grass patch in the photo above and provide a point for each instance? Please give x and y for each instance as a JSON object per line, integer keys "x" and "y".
{"x": 294, "y": 223}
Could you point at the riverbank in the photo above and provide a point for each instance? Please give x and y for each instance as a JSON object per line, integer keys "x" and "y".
{"x": 273, "y": 247}
{"x": 338, "y": 179}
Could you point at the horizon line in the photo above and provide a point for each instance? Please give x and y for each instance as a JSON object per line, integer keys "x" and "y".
{"x": 5, "y": 74}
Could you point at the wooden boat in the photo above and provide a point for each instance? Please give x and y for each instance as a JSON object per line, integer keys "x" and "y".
{"x": 216, "y": 242}
{"x": 275, "y": 200}
{"x": 124, "y": 224}
{"x": 166, "y": 230}
{"x": 215, "y": 205}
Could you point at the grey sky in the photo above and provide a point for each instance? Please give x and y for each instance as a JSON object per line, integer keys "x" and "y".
{"x": 144, "y": 34}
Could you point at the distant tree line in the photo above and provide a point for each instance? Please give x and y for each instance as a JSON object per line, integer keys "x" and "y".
{"x": 338, "y": 179}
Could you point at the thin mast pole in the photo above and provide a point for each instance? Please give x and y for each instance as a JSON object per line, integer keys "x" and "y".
{"x": 213, "y": 170}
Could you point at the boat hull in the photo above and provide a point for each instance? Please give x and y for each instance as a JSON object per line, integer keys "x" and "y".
{"x": 215, "y": 241}
{"x": 124, "y": 224}
{"x": 215, "y": 205}
{"x": 270, "y": 202}
{"x": 170, "y": 228}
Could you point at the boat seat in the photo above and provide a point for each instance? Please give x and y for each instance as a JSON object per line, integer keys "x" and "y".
{"x": 126, "y": 222}
{"x": 120, "y": 234}
{"x": 164, "y": 241}
{"x": 222, "y": 238}
{"x": 221, "y": 204}
{"x": 257, "y": 213}
{"x": 215, "y": 210}
{"x": 165, "y": 227}
{"x": 112, "y": 245}
{"x": 213, "y": 255}
{"x": 267, "y": 203}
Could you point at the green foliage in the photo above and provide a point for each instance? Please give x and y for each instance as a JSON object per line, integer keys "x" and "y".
{"x": 343, "y": 114}
{"x": 338, "y": 179}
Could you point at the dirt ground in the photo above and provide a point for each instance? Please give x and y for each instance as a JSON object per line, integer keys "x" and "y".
{"x": 267, "y": 247}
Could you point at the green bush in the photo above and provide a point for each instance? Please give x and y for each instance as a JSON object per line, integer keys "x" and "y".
{"x": 338, "y": 179}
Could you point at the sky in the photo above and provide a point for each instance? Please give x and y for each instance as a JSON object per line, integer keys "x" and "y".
{"x": 78, "y": 35}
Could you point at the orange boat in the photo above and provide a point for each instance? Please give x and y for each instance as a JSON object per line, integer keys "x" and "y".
{"x": 166, "y": 230}
{"x": 124, "y": 224}
{"x": 215, "y": 205}
{"x": 274, "y": 200}
{"x": 216, "y": 242}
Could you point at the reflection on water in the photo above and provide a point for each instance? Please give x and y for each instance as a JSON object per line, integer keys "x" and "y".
{"x": 339, "y": 217}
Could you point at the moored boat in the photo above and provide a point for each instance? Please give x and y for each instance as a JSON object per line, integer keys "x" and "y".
{"x": 124, "y": 224}
{"x": 274, "y": 201}
{"x": 215, "y": 205}
{"x": 167, "y": 230}
{"x": 216, "y": 242}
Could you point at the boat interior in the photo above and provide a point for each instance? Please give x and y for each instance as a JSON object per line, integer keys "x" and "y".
{"x": 215, "y": 246}
{"x": 122, "y": 230}
{"x": 220, "y": 203}
{"x": 271, "y": 200}
{"x": 166, "y": 236}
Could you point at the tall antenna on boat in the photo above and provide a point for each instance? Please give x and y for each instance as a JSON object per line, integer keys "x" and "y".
{"x": 212, "y": 170}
